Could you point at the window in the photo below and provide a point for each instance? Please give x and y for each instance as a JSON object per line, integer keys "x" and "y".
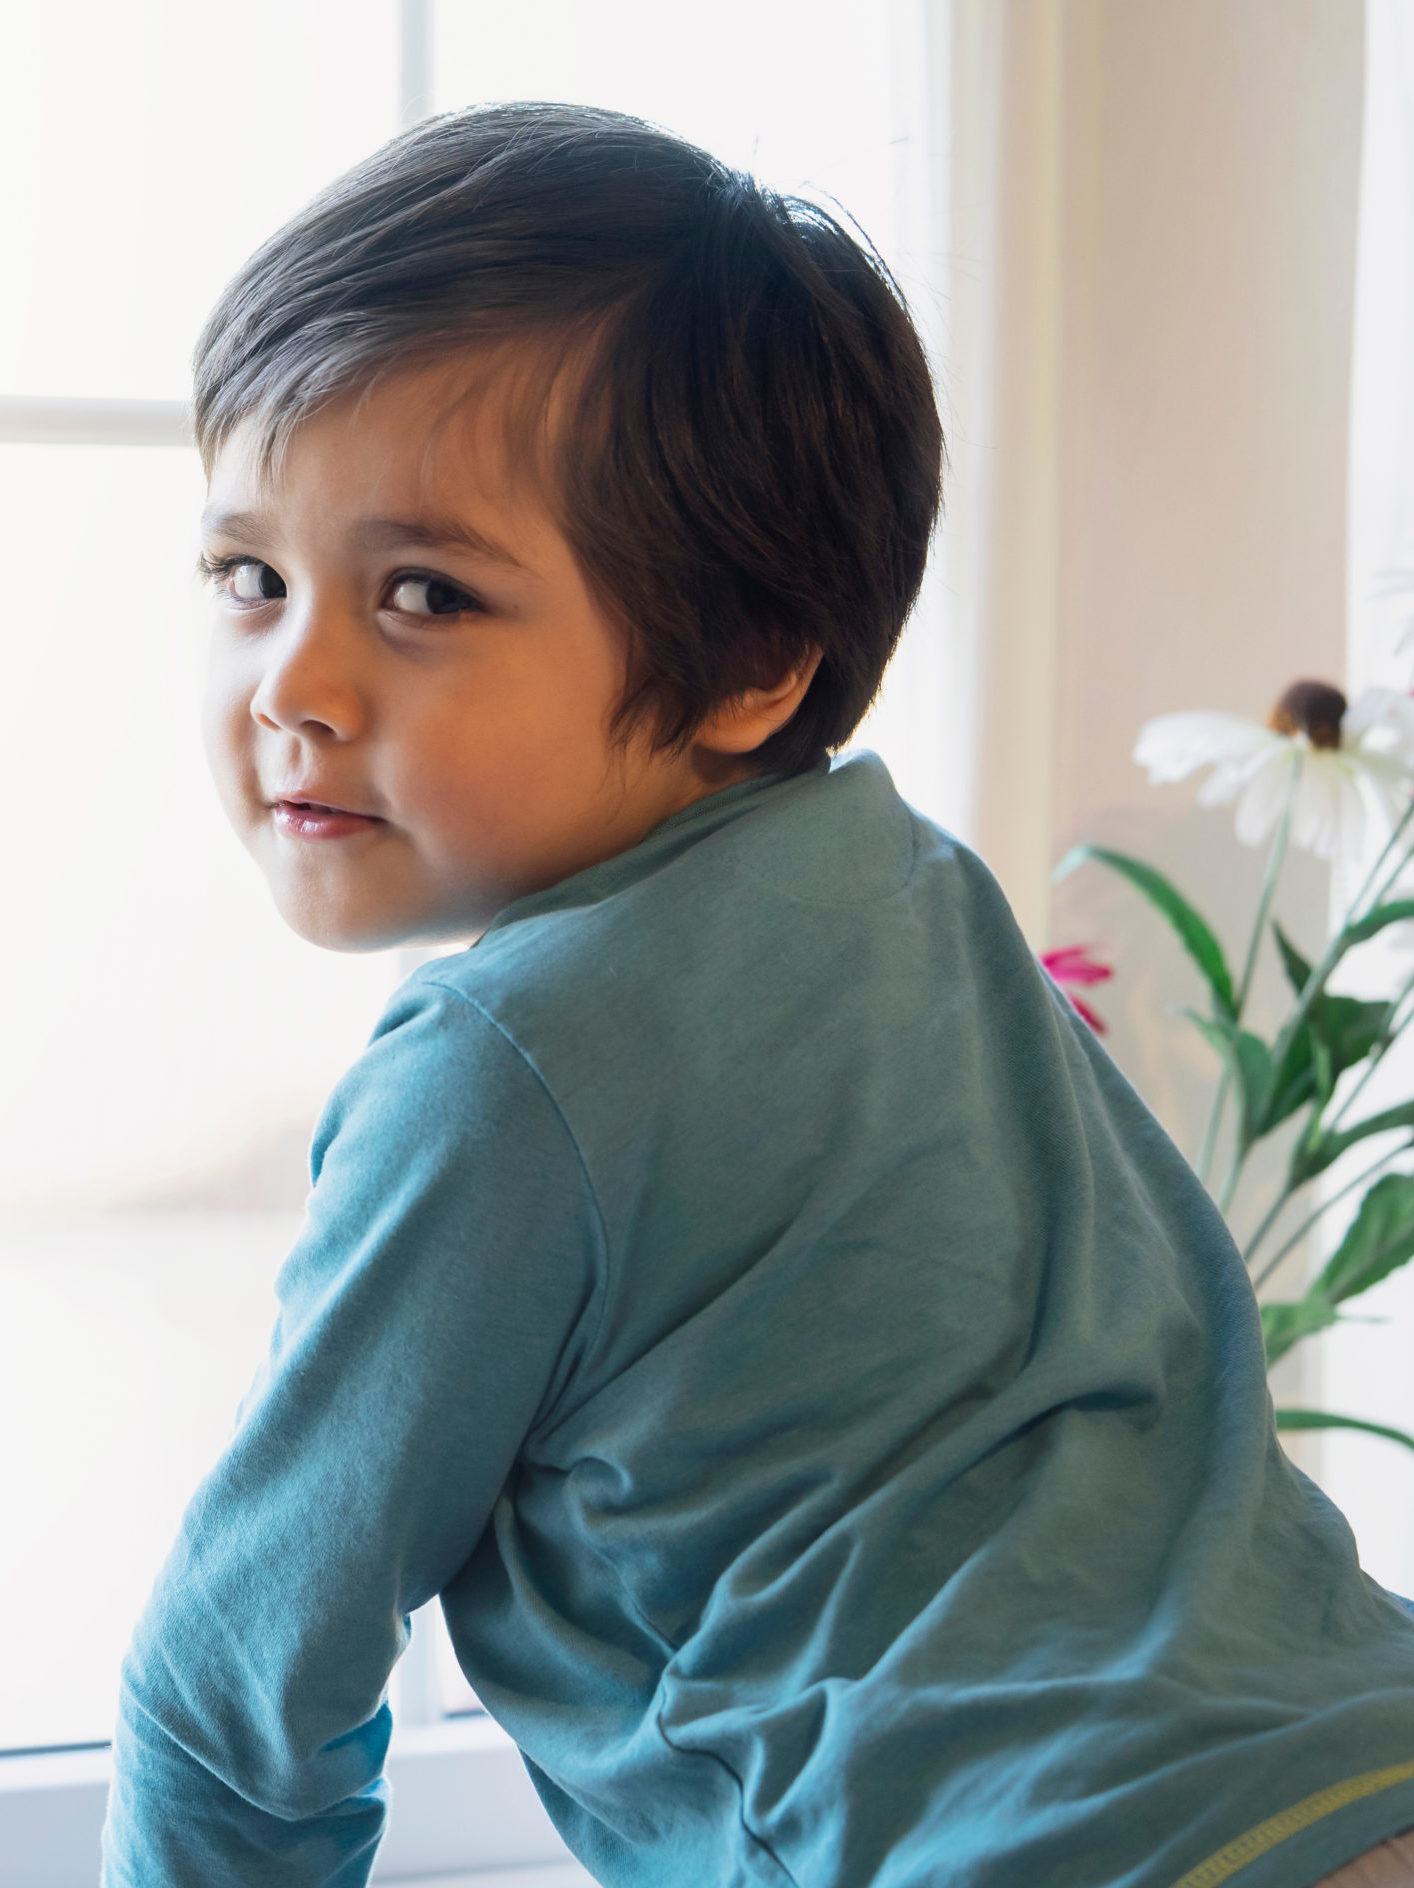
{"x": 169, "y": 1042}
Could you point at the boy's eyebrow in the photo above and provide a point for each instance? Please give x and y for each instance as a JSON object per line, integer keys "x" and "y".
{"x": 432, "y": 534}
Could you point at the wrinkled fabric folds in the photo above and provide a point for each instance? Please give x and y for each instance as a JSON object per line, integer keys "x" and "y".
{"x": 832, "y": 1414}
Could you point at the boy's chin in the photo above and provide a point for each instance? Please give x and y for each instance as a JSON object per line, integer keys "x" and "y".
{"x": 360, "y": 932}
{"x": 347, "y": 931}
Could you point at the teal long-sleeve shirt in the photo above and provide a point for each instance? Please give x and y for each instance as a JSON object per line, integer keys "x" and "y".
{"x": 831, "y": 1412}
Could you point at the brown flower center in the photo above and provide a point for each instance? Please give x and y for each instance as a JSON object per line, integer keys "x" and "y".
{"x": 1310, "y": 708}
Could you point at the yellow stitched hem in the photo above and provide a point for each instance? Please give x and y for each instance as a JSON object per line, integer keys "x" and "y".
{"x": 1301, "y": 1815}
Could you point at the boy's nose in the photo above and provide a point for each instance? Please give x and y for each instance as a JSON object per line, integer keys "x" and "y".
{"x": 308, "y": 685}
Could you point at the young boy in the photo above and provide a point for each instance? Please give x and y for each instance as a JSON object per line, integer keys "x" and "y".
{"x": 832, "y": 1415}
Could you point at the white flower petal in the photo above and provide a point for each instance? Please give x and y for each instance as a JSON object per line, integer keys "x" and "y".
{"x": 1355, "y": 810}
{"x": 1362, "y": 714}
{"x": 1172, "y": 746}
{"x": 1369, "y": 777}
{"x": 1330, "y": 812}
{"x": 1381, "y": 722}
{"x": 1229, "y": 778}
{"x": 1389, "y": 777}
{"x": 1386, "y": 709}
{"x": 1264, "y": 796}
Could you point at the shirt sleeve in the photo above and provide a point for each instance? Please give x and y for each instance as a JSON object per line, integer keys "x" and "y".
{"x": 432, "y": 1309}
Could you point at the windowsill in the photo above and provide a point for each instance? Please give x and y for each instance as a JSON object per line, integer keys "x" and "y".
{"x": 462, "y": 1802}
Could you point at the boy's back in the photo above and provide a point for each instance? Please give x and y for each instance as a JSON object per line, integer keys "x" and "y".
{"x": 833, "y": 1415}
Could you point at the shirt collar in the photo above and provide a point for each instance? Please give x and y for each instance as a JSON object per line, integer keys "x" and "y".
{"x": 663, "y": 842}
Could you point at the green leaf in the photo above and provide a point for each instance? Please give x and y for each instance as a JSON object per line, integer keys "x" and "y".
{"x": 1286, "y": 1324}
{"x": 1351, "y": 1026}
{"x": 1323, "y": 1070}
{"x": 1298, "y": 971}
{"x": 1314, "y": 1157}
{"x": 1322, "y": 1419}
{"x": 1379, "y": 1240}
{"x": 1393, "y": 913}
{"x": 1194, "y": 932}
{"x": 1343, "y": 1031}
{"x": 1250, "y": 1062}
{"x": 1298, "y": 1081}
{"x": 1306, "y": 1066}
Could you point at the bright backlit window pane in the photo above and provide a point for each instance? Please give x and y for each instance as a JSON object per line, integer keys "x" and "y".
{"x": 169, "y": 1043}
{"x": 157, "y": 142}
{"x": 759, "y": 86}
{"x": 127, "y": 1342}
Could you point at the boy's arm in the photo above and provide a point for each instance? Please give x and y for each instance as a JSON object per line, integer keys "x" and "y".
{"x": 432, "y": 1307}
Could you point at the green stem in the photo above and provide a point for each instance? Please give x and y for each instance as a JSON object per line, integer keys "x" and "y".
{"x": 1386, "y": 1039}
{"x": 1276, "y": 858}
{"x": 1405, "y": 817}
{"x": 1272, "y": 1212}
{"x": 1234, "y": 1174}
{"x": 1314, "y": 985}
{"x": 1301, "y": 1231}
{"x": 1210, "y": 1133}
{"x": 1316, "y": 982}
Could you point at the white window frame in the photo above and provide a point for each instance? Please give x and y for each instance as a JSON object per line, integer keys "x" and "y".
{"x": 463, "y": 1804}
{"x": 463, "y": 1801}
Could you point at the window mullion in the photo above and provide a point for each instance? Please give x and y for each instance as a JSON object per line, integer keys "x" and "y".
{"x": 414, "y": 61}
{"x": 49, "y": 420}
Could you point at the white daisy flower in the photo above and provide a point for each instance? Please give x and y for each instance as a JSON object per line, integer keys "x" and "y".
{"x": 1355, "y": 762}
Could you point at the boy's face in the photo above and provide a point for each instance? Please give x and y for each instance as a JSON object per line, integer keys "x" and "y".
{"x": 402, "y": 634}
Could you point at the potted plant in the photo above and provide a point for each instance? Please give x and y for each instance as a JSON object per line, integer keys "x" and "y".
{"x": 1316, "y": 775}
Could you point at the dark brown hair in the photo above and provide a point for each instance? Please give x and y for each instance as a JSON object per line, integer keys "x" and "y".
{"x": 750, "y": 465}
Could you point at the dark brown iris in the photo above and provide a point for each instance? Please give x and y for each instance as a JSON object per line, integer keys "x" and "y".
{"x": 1310, "y": 708}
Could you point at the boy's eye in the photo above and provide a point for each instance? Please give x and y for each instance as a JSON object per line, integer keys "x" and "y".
{"x": 243, "y": 579}
{"x": 429, "y": 596}
{"x": 252, "y": 582}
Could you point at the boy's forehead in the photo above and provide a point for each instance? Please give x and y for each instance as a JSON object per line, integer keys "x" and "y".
{"x": 420, "y": 444}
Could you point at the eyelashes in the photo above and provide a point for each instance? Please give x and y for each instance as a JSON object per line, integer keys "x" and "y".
{"x": 441, "y": 597}
{"x": 219, "y": 571}
{"x": 213, "y": 570}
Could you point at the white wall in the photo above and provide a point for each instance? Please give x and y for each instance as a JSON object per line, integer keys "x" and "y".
{"x": 1210, "y": 172}
{"x": 1210, "y": 169}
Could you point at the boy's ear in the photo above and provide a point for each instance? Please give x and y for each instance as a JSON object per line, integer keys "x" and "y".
{"x": 748, "y": 719}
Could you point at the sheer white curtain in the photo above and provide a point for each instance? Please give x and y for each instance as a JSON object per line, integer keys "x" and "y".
{"x": 966, "y": 716}
{"x": 1365, "y": 1366}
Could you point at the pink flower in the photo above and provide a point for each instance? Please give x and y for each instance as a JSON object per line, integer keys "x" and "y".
{"x": 1072, "y": 964}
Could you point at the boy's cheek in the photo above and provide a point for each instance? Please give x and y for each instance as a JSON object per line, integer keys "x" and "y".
{"x": 224, "y": 721}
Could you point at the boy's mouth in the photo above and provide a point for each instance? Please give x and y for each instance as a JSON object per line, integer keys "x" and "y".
{"x": 302, "y": 799}
{"x": 315, "y": 819}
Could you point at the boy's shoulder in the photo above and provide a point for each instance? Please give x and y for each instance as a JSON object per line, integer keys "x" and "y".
{"x": 768, "y": 904}
{"x": 724, "y": 879}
